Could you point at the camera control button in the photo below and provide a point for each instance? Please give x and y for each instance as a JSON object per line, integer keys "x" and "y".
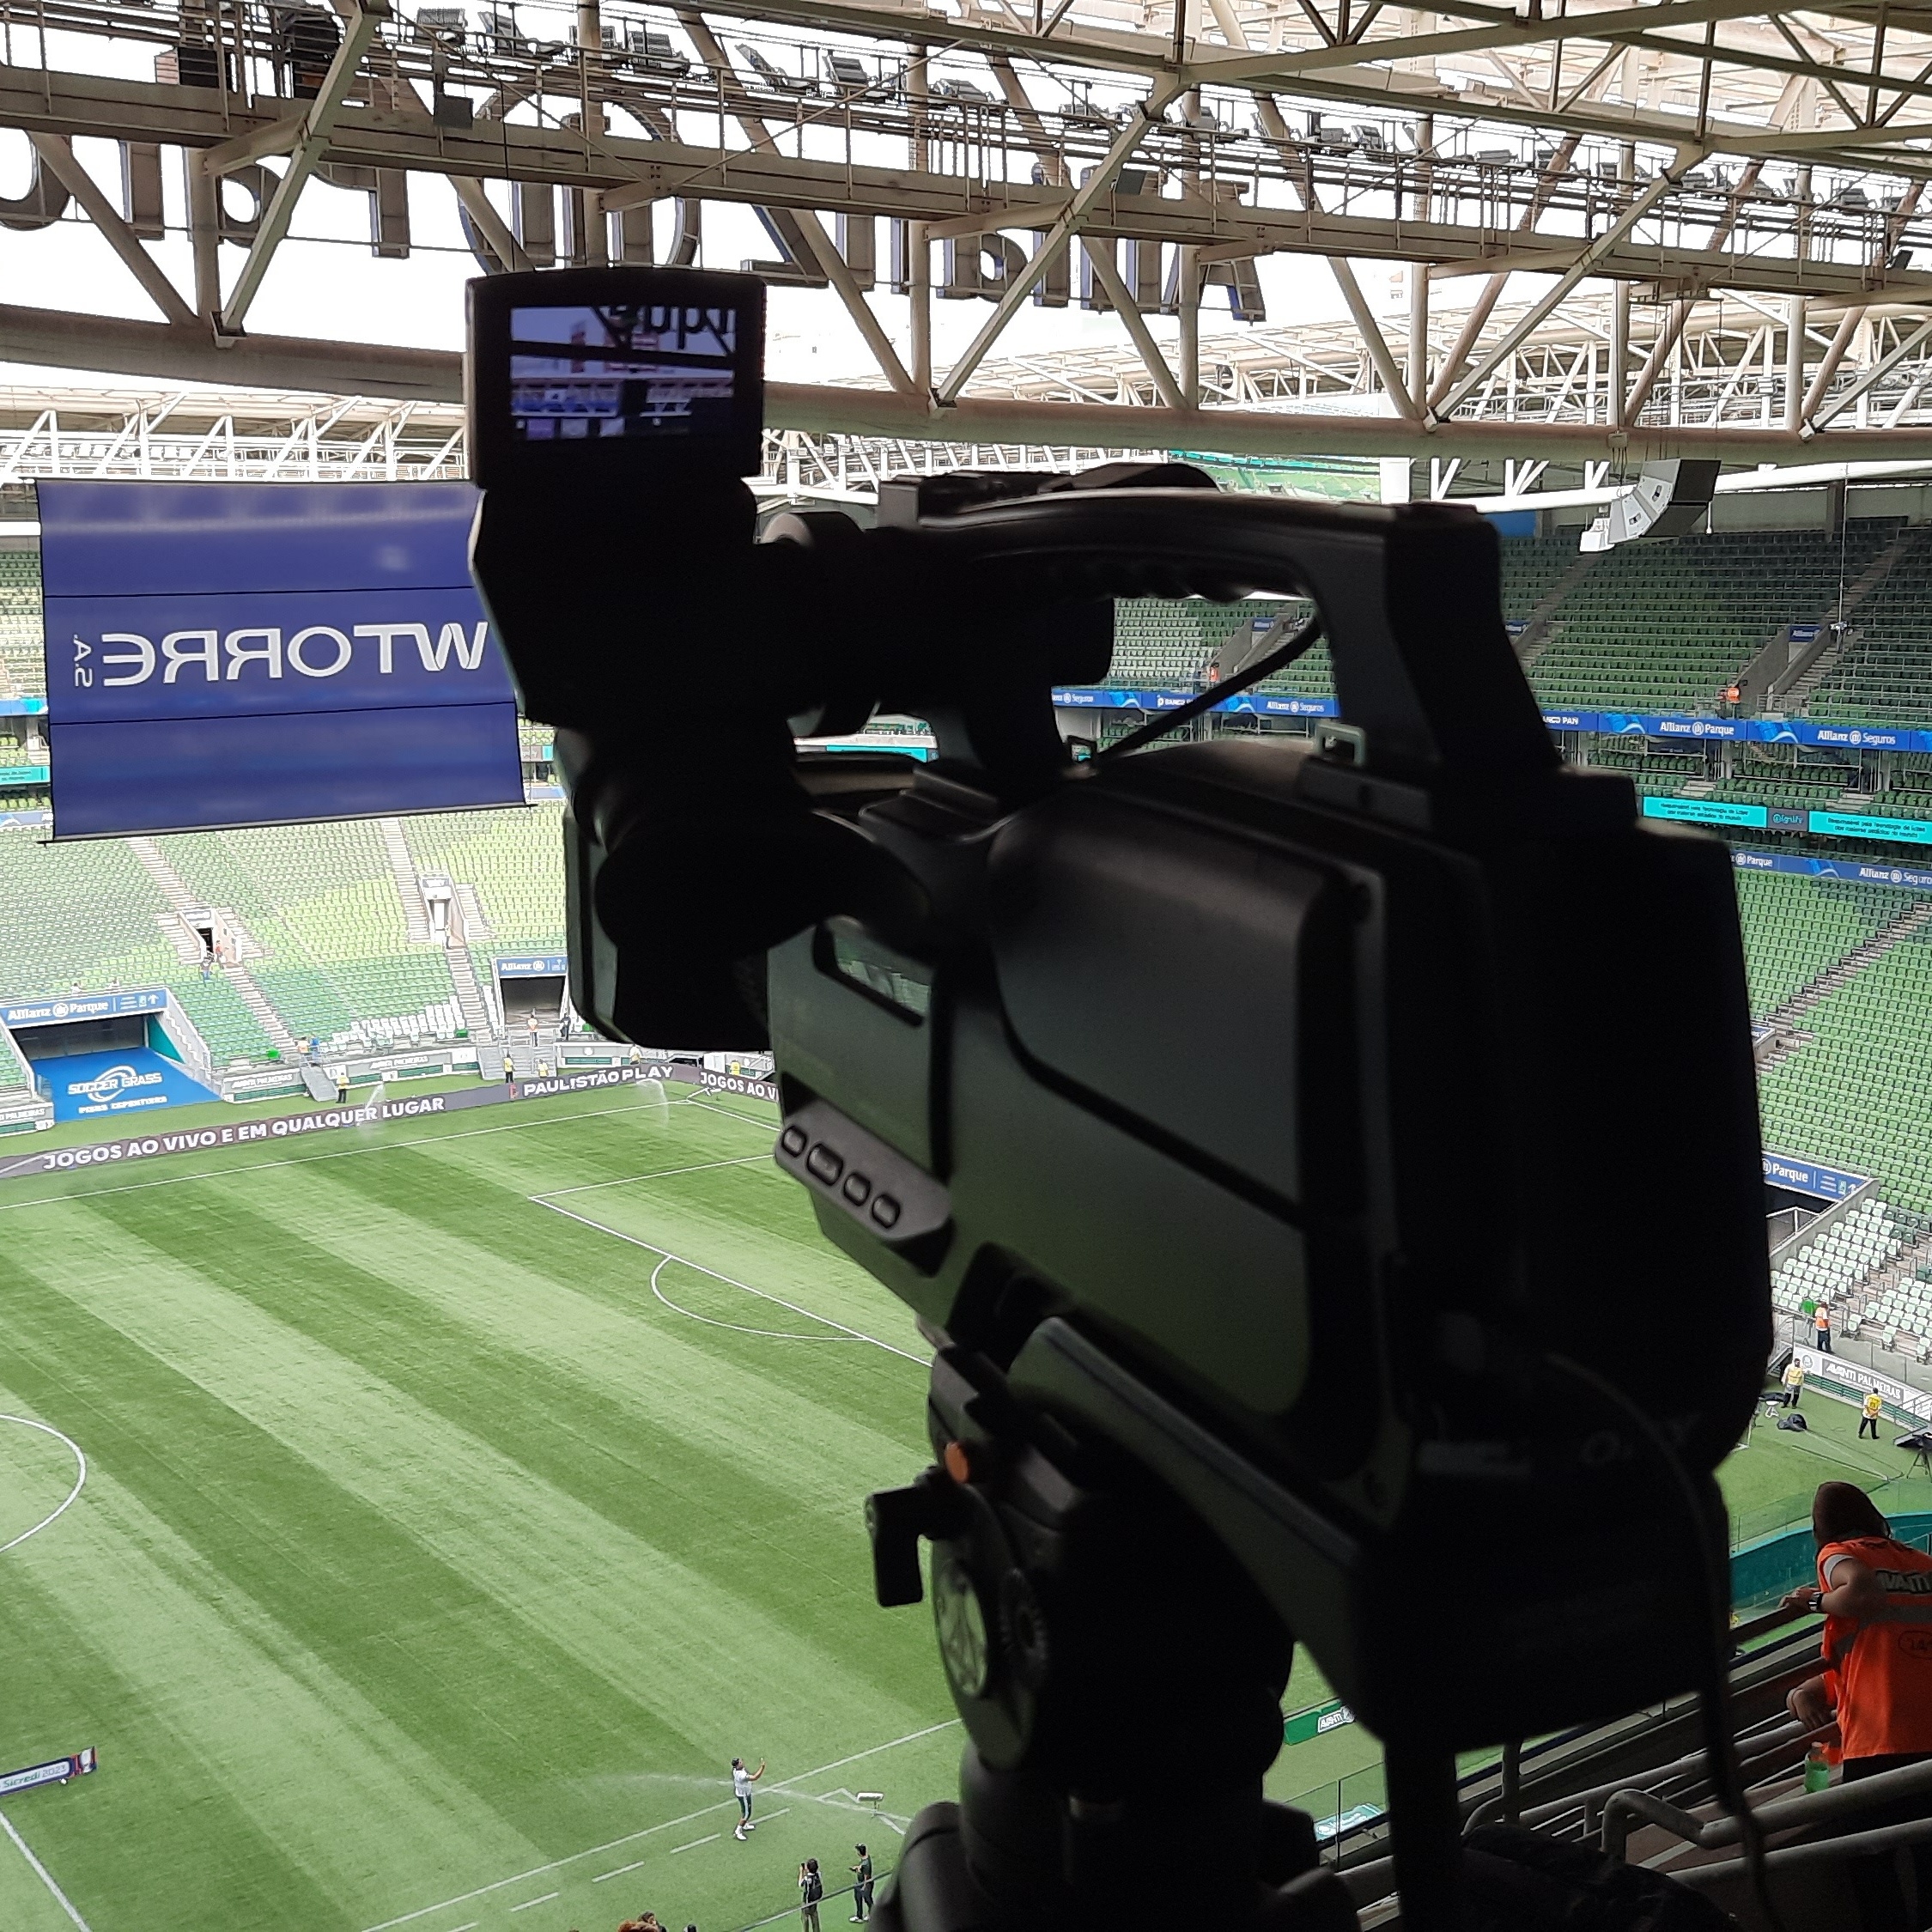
{"x": 885, "y": 1210}
{"x": 857, "y": 1189}
{"x": 825, "y": 1164}
{"x": 792, "y": 1140}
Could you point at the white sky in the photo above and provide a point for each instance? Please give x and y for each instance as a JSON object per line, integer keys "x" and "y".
{"x": 330, "y": 286}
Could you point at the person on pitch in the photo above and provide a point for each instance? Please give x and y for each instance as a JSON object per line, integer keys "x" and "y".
{"x": 862, "y": 1886}
{"x": 742, "y": 1782}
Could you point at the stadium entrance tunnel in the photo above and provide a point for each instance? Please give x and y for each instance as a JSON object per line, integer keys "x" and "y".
{"x": 96, "y": 1067}
{"x": 533, "y": 985}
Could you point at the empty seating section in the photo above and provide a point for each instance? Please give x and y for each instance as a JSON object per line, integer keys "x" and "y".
{"x": 320, "y": 901}
{"x": 1668, "y": 626}
{"x": 1804, "y": 783}
{"x": 87, "y": 914}
{"x": 514, "y": 860}
{"x": 1884, "y": 674}
{"x": 1794, "y": 928}
{"x": 1532, "y": 567}
{"x": 23, "y": 673}
{"x": 1160, "y": 645}
{"x": 1855, "y": 1094}
{"x": 1850, "y": 1252}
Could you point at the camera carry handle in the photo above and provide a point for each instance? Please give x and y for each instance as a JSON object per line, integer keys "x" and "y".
{"x": 1409, "y": 599}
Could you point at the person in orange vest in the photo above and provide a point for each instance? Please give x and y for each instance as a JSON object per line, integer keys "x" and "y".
{"x": 1875, "y": 1595}
{"x": 1821, "y": 1328}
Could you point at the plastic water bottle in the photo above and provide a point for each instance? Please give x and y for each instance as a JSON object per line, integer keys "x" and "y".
{"x": 1817, "y": 1770}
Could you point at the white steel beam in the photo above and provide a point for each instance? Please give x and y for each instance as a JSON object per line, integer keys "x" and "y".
{"x": 1053, "y": 244}
{"x": 1641, "y": 205}
{"x": 58, "y": 152}
{"x": 311, "y": 140}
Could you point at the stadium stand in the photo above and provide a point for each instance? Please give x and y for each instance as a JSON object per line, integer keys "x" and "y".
{"x": 1650, "y": 626}
{"x": 1668, "y": 626}
{"x": 1796, "y": 928}
{"x": 320, "y": 902}
{"x": 513, "y": 859}
{"x": 1883, "y": 672}
{"x": 22, "y": 669}
{"x": 87, "y": 914}
{"x": 1850, "y": 1252}
{"x": 1854, "y": 1095}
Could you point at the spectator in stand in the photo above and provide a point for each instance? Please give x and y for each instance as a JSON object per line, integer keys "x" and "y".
{"x": 811, "y": 1889}
{"x": 1872, "y": 1591}
{"x": 1869, "y": 1412}
{"x": 1821, "y": 1328}
{"x": 1794, "y": 1382}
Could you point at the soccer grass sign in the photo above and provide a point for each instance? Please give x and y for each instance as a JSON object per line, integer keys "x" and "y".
{"x": 57, "y": 1770}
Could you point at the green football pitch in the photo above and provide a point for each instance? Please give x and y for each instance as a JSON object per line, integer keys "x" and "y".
{"x": 461, "y": 1496}
{"x": 459, "y": 1500}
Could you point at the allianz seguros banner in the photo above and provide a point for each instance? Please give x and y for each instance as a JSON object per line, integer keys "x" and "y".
{"x": 222, "y": 654}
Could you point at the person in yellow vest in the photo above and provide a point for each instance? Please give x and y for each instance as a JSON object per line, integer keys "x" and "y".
{"x": 1794, "y": 1383}
{"x": 1870, "y": 1410}
{"x": 1821, "y": 1328}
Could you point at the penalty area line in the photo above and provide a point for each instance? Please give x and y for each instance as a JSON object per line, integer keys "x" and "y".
{"x": 662, "y": 1174}
{"x": 730, "y": 1281}
{"x": 41, "y": 1872}
{"x": 649, "y": 1831}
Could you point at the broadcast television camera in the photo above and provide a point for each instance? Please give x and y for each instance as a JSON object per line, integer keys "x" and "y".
{"x": 1257, "y": 1128}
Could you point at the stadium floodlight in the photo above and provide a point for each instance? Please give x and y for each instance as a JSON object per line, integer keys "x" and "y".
{"x": 1213, "y": 1107}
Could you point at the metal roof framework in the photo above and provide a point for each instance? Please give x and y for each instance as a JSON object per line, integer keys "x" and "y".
{"x": 1658, "y": 163}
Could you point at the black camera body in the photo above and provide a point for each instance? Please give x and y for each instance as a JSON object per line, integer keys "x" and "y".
{"x": 1262, "y": 1131}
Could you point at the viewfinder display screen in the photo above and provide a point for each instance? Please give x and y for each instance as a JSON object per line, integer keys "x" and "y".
{"x": 584, "y": 371}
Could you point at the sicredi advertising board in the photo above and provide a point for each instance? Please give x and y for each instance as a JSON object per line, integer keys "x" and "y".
{"x": 246, "y": 654}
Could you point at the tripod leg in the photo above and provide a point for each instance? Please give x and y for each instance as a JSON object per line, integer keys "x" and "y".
{"x": 1428, "y": 1827}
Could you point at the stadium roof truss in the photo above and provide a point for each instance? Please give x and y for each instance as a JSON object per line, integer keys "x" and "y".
{"x": 1729, "y": 206}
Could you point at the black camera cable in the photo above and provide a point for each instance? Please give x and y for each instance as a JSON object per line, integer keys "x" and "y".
{"x": 1714, "y": 1688}
{"x": 1291, "y": 647}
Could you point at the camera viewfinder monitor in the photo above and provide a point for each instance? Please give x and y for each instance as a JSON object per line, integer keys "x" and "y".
{"x": 633, "y": 374}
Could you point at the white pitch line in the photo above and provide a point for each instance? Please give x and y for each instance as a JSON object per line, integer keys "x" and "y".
{"x": 730, "y": 1281}
{"x": 303, "y": 1160}
{"x": 80, "y": 1480}
{"x": 41, "y": 1872}
{"x": 635, "y": 1865}
{"x": 737, "y": 1328}
{"x": 663, "y": 1174}
{"x": 651, "y": 1830}
{"x": 528, "y": 1902}
{"x": 730, "y": 1113}
{"x": 693, "y": 1845}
